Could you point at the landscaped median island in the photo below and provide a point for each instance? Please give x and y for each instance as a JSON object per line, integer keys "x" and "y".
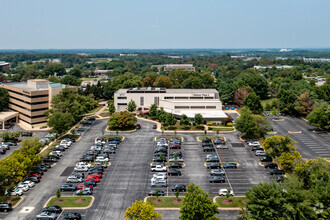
{"x": 11, "y": 199}
{"x": 168, "y": 138}
{"x": 231, "y": 202}
{"x": 165, "y": 201}
{"x": 71, "y": 201}
{"x": 200, "y": 138}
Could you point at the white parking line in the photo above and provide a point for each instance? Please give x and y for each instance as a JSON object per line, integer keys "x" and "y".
{"x": 231, "y": 188}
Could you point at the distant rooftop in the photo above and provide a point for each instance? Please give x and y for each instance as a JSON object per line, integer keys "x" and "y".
{"x": 35, "y": 85}
{"x": 164, "y": 90}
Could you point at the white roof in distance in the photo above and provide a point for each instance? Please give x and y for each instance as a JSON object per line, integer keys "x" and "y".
{"x": 205, "y": 113}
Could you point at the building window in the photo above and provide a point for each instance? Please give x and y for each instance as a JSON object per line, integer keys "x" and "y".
{"x": 181, "y": 107}
{"x": 181, "y": 97}
{"x": 210, "y": 107}
{"x": 156, "y": 100}
{"x": 122, "y": 104}
{"x": 168, "y": 97}
{"x": 141, "y": 101}
{"x": 208, "y": 97}
{"x": 195, "y": 97}
{"x": 197, "y": 107}
{"x": 121, "y": 97}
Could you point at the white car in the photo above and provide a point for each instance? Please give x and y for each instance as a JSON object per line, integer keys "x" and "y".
{"x": 74, "y": 179}
{"x": 66, "y": 142}
{"x": 221, "y": 146}
{"x": 81, "y": 169}
{"x": 96, "y": 148}
{"x": 102, "y": 159}
{"x": 14, "y": 192}
{"x": 154, "y": 179}
{"x": 54, "y": 153}
{"x": 256, "y": 143}
{"x": 210, "y": 156}
{"x": 260, "y": 153}
{"x": 164, "y": 175}
{"x": 59, "y": 153}
{"x": 29, "y": 183}
{"x": 84, "y": 164}
{"x": 223, "y": 192}
{"x": 22, "y": 187}
{"x": 178, "y": 159}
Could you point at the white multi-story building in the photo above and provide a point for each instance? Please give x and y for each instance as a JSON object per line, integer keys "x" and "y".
{"x": 175, "y": 101}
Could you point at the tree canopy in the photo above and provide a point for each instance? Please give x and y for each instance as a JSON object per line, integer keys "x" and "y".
{"x": 141, "y": 210}
{"x": 4, "y": 99}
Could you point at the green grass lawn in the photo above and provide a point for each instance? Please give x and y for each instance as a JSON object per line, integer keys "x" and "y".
{"x": 107, "y": 137}
{"x": 69, "y": 201}
{"x": 13, "y": 199}
{"x": 166, "y": 202}
{"x": 236, "y": 202}
{"x": 95, "y": 109}
{"x": 169, "y": 137}
{"x": 267, "y": 101}
{"x": 221, "y": 128}
{"x": 200, "y": 138}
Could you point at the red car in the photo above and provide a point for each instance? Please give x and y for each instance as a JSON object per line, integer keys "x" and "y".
{"x": 175, "y": 146}
{"x": 81, "y": 186}
{"x": 138, "y": 126}
{"x": 98, "y": 175}
{"x": 92, "y": 178}
{"x": 36, "y": 175}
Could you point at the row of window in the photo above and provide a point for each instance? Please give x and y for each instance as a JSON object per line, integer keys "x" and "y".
{"x": 34, "y": 103}
{"x": 192, "y": 97}
{"x": 195, "y": 107}
{"x": 29, "y": 96}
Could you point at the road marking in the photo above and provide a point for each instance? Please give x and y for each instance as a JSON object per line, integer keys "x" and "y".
{"x": 26, "y": 210}
{"x": 231, "y": 188}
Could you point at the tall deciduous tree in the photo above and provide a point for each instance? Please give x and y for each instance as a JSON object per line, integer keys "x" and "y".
{"x": 75, "y": 72}
{"x": 163, "y": 81}
{"x": 197, "y": 205}
{"x": 199, "y": 119}
{"x": 141, "y": 210}
{"x": 276, "y": 145}
{"x": 184, "y": 121}
{"x": 246, "y": 123}
{"x": 320, "y": 116}
{"x": 60, "y": 122}
{"x": 193, "y": 82}
{"x": 304, "y": 104}
{"x": 122, "y": 120}
{"x": 253, "y": 102}
{"x": 170, "y": 120}
{"x": 4, "y": 99}
{"x": 111, "y": 107}
{"x": 131, "y": 106}
{"x": 240, "y": 95}
{"x": 153, "y": 110}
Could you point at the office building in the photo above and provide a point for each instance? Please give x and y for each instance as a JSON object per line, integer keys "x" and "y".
{"x": 4, "y": 66}
{"x": 169, "y": 67}
{"x": 175, "y": 101}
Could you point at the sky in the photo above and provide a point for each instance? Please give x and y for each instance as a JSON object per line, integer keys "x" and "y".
{"x": 158, "y": 24}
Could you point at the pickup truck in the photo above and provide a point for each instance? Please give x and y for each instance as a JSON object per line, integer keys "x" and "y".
{"x": 158, "y": 168}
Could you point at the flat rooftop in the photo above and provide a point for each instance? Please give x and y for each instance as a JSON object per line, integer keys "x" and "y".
{"x": 4, "y": 116}
{"x": 164, "y": 90}
{"x": 24, "y": 85}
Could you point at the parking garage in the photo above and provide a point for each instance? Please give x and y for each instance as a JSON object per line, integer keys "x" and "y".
{"x": 6, "y": 118}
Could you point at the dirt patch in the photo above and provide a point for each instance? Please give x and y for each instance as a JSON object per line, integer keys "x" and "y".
{"x": 244, "y": 201}
{"x": 227, "y": 202}
{"x": 58, "y": 201}
{"x": 156, "y": 201}
{"x": 177, "y": 201}
{"x": 79, "y": 201}
{"x": 11, "y": 200}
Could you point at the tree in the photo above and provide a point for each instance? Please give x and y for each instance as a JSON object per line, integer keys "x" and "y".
{"x": 75, "y": 72}
{"x": 304, "y": 104}
{"x": 228, "y": 194}
{"x": 170, "y": 120}
{"x": 122, "y": 120}
{"x": 256, "y": 81}
{"x": 111, "y": 107}
{"x": 141, "y": 210}
{"x": 71, "y": 80}
{"x": 246, "y": 123}
{"x": 60, "y": 122}
{"x": 177, "y": 194}
{"x": 320, "y": 116}
{"x": 197, "y": 205}
{"x": 240, "y": 95}
{"x": 153, "y": 110}
{"x": 54, "y": 69}
{"x": 253, "y": 102}
{"x": 157, "y": 193}
{"x": 276, "y": 145}
{"x": 131, "y": 106}
{"x": 207, "y": 79}
{"x": 287, "y": 99}
{"x": 193, "y": 82}
{"x": 287, "y": 159}
{"x": 163, "y": 81}
{"x": 184, "y": 121}
{"x": 4, "y": 99}
{"x": 199, "y": 119}
{"x": 58, "y": 193}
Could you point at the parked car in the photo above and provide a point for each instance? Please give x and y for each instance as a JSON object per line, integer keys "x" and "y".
{"x": 22, "y": 187}
{"x": 152, "y": 192}
{"x": 50, "y": 159}
{"x": 217, "y": 172}
{"x": 33, "y": 179}
{"x": 102, "y": 159}
{"x": 154, "y": 126}
{"x": 180, "y": 187}
{"x": 173, "y": 159}
{"x": 213, "y": 166}
{"x": 29, "y": 183}
{"x": 71, "y": 216}
{"x": 158, "y": 159}
{"x": 5, "y": 206}
{"x": 208, "y": 149}
{"x": 223, "y": 192}
{"x": 270, "y": 165}
{"x": 73, "y": 179}
{"x": 90, "y": 183}
{"x": 9, "y": 143}
{"x": 159, "y": 183}
{"x": 158, "y": 168}
{"x": 212, "y": 159}
{"x": 26, "y": 134}
{"x": 84, "y": 191}
{"x": 276, "y": 172}
{"x": 68, "y": 187}
{"x": 260, "y": 153}
{"x": 217, "y": 179}
{"x": 175, "y": 146}
{"x": 174, "y": 172}
{"x": 222, "y": 146}
{"x": 81, "y": 169}
{"x": 83, "y": 185}
{"x": 53, "y": 209}
{"x": 175, "y": 165}
{"x": 207, "y": 140}
{"x": 2, "y": 151}
{"x": 90, "y": 178}
{"x": 255, "y": 148}
{"x": 46, "y": 215}
{"x": 138, "y": 126}
{"x": 266, "y": 159}
{"x": 229, "y": 165}
{"x": 14, "y": 192}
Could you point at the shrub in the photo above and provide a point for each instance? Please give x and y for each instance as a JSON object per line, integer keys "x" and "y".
{"x": 186, "y": 128}
{"x": 210, "y": 128}
{"x": 209, "y": 123}
{"x": 230, "y": 124}
{"x": 171, "y": 128}
{"x": 200, "y": 127}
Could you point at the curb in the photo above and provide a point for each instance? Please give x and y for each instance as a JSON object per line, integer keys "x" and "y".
{"x": 19, "y": 202}
{"x": 64, "y": 208}
{"x": 213, "y": 136}
{"x": 109, "y": 131}
{"x": 155, "y": 139}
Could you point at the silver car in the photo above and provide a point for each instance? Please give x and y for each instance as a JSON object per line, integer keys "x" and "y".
{"x": 159, "y": 183}
{"x": 74, "y": 179}
{"x": 46, "y": 215}
{"x": 217, "y": 172}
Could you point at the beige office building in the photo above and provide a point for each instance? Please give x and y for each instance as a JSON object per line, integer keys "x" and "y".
{"x": 31, "y": 99}
{"x": 169, "y": 67}
{"x": 175, "y": 101}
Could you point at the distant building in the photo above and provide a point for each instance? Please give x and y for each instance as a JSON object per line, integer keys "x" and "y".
{"x": 176, "y": 101}
{"x": 31, "y": 99}
{"x": 169, "y": 67}
{"x": 311, "y": 60}
{"x": 271, "y": 66}
{"x": 128, "y": 54}
{"x": 245, "y": 58}
{"x": 285, "y": 50}
{"x": 4, "y": 66}
{"x": 173, "y": 56}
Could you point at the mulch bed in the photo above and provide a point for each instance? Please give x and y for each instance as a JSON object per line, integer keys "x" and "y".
{"x": 245, "y": 201}
{"x": 79, "y": 201}
{"x": 227, "y": 202}
{"x": 156, "y": 201}
{"x": 58, "y": 201}
{"x": 177, "y": 201}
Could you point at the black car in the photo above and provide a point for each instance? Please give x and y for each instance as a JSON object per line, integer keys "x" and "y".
{"x": 270, "y": 165}
{"x": 230, "y": 165}
{"x": 175, "y": 165}
{"x": 208, "y": 149}
{"x": 138, "y": 126}
{"x": 59, "y": 148}
{"x": 40, "y": 168}
{"x": 33, "y": 179}
{"x": 53, "y": 209}
{"x": 70, "y": 139}
{"x": 152, "y": 192}
{"x": 95, "y": 171}
{"x": 181, "y": 188}
{"x": 90, "y": 183}
{"x": 266, "y": 159}
{"x": 5, "y": 206}
{"x": 174, "y": 172}
{"x": 206, "y": 140}
{"x": 26, "y": 134}
{"x": 71, "y": 216}
{"x": 158, "y": 159}
{"x": 68, "y": 187}
{"x": 50, "y": 159}
{"x": 255, "y": 148}
{"x": 45, "y": 165}
{"x": 276, "y": 172}
{"x": 214, "y": 166}
{"x": 217, "y": 179}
